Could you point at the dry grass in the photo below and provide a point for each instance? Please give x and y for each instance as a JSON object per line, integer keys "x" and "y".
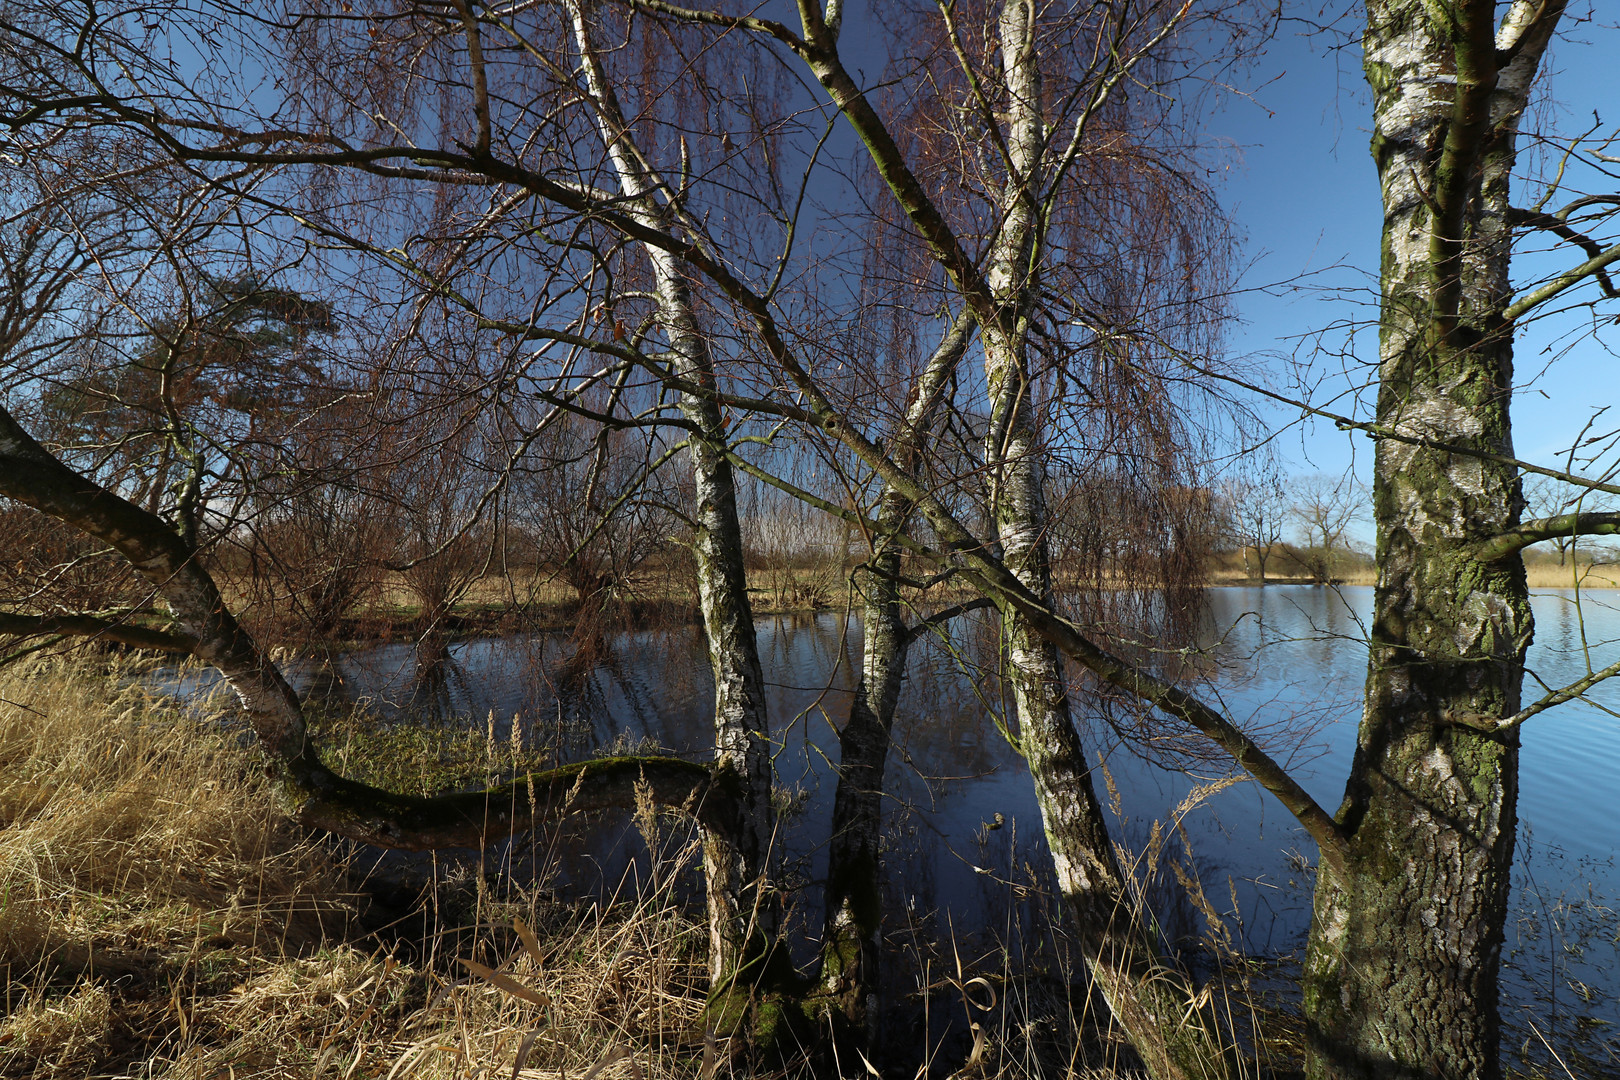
{"x": 1225, "y": 575}
{"x": 611, "y": 989}
{"x": 141, "y": 852}
{"x": 138, "y": 834}
{"x": 161, "y": 919}
{"x": 1585, "y": 575}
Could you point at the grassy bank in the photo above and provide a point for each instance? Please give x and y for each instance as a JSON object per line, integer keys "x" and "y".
{"x": 161, "y": 919}
{"x": 518, "y": 601}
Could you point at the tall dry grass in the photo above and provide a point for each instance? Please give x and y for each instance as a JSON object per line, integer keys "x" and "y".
{"x": 160, "y": 918}
{"x": 135, "y": 832}
{"x": 141, "y": 853}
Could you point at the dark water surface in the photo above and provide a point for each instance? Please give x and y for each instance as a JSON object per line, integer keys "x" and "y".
{"x": 1285, "y": 660}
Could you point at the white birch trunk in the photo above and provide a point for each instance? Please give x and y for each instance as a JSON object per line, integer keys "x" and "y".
{"x": 1149, "y": 1001}
{"x": 1401, "y": 974}
{"x": 740, "y": 910}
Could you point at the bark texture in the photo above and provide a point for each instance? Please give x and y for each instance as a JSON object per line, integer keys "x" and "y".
{"x": 1150, "y": 1001}
{"x": 1401, "y": 975}
{"x": 742, "y": 913}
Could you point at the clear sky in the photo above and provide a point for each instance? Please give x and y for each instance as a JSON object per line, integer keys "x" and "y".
{"x": 1305, "y": 193}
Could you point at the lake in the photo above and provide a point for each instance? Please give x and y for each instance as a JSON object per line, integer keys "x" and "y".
{"x": 1288, "y": 661}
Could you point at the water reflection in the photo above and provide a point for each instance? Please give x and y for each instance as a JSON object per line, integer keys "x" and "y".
{"x": 1286, "y": 662}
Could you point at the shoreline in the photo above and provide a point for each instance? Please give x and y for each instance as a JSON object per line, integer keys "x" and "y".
{"x": 1537, "y": 582}
{"x": 397, "y": 624}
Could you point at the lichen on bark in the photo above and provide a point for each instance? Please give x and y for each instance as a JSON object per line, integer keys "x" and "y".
{"x": 1401, "y": 973}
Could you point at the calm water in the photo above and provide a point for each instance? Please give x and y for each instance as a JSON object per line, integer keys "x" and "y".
{"x": 1287, "y": 661}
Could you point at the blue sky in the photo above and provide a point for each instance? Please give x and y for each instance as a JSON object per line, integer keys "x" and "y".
{"x": 1305, "y": 194}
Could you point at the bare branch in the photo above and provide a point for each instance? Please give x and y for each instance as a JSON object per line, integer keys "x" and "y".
{"x": 1474, "y": 56}
{"x": 1549, "y": 528}
{"x": 85, "y": 625}
{"x": 1383, "y": 431}
{"x": 472, "y": 819}
{"x": 480, "y": 81}
{"x": 731, "y": 22}
{"x": 938, "y": 620}
{"x": 1594, "y": 266}
{"x": 1495, "y": 726}
{"x": 1558, "y": 225}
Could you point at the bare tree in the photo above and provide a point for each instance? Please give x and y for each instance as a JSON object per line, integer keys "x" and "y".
{"x": 1255, "y": 508}
{"x": 1324, "y": 509}
{"x": 1400, "y": 979}
{"x": 320, "y": 544}
{"x": 592, "y": 506}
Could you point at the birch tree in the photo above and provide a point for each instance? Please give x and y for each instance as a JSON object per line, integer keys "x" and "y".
{"x": 735, "y": 865}
{"x": 630, "y": 203}
{"x": 1401, "y": 976}
{"x": 1413, "y": 868}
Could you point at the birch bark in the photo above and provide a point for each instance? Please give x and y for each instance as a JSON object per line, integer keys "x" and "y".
{"x": 853, "y": 896}
{"x": 742, "y": 915}
{"x": 1405, "y": 949}
{"x": 1147, "y": 999}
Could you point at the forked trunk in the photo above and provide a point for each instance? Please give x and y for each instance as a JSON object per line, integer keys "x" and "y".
{"x": 1401, "y": 975}
{"x": 853, "y": 895}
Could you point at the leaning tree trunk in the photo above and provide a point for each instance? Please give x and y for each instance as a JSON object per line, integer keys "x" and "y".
{"x": 1401, "y": 974}
{"x": 742, "y": 910}
{"x": 1148, "y": 1000}
{"x": 316, "y": 796}
{"x": 743, "y": 915}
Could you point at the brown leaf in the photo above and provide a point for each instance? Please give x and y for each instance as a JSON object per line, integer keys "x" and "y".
{"x": 510, "y": 985}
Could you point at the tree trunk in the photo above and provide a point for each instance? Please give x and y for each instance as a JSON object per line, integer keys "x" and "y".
{"x": 1149, "y": 1001}
{"x": 742, "y": 912}
{"x": 854, "y": 899}
{"x": 743, "y": 917}
{"x": 1401, "y": 974}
